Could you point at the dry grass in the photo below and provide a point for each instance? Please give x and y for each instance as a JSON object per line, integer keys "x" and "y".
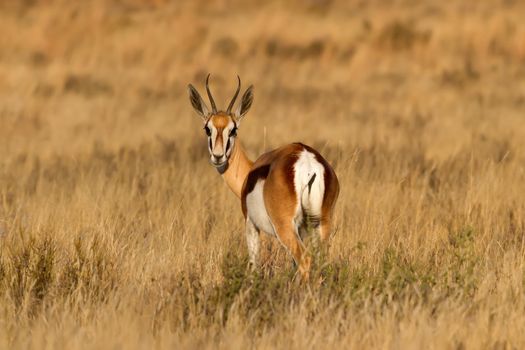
{"x": 116, "y": 233}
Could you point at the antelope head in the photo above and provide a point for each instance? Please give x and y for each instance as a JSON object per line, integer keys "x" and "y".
{"x": 221, "y": 126}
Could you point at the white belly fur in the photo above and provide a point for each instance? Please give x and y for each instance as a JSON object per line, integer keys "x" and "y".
{"x": 257, "y": 211}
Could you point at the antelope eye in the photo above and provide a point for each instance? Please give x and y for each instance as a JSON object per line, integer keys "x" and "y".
{"x": 233, "y": 132}
{"x": 208, "y": 131}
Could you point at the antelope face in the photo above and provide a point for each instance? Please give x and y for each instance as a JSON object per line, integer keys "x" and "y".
{"x": 221, "y": 130}
{"x": 221, "y": 127}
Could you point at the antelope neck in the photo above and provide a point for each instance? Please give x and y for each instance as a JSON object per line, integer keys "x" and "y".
{"x": 237, "y": 169}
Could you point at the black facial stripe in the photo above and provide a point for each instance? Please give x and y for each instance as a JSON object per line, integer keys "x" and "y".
{"x": 227, "y": 145}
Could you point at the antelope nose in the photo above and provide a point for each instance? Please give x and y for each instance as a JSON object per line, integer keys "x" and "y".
{"x": 216, "y": 158}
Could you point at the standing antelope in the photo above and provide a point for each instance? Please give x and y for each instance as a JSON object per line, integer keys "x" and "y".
{"x": 283, "y": 193}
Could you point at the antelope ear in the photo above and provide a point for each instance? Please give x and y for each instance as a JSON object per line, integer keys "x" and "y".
{"x": 246, "y": 103}
{"x": 197, "y": 102}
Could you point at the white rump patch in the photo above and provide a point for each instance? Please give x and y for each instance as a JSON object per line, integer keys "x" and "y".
{"x": 310, "y": 197}
{"x": 256, "y": 209}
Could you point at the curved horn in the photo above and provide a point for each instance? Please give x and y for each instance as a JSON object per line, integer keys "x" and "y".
{"x": 212, "y": 102}
{"x": 234, "y": 96}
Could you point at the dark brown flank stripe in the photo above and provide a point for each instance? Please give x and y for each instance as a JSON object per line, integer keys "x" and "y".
{"x": 259, "y": 173}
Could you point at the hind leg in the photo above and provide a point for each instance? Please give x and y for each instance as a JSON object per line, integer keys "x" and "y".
{"x": 325, "y": 226}
{"x": 282, "y": 204}
{"x": 324, "y": 229}
{"x": 288, "y": 236}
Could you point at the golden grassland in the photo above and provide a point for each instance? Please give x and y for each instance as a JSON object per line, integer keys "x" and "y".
{"x": 115, "y": 233}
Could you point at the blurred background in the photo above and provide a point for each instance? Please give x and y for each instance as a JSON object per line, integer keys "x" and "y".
{"x": 401, "y": 73}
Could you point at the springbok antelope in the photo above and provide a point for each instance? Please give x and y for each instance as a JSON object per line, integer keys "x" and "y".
{"x": 283, "y": 193}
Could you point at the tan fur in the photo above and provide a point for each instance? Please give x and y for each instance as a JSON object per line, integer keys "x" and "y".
{"x": 239, "y": 165}
{"x": 280, "y": 198}
{"x": 281, "y": 202}
{"x": 219, "y": 121}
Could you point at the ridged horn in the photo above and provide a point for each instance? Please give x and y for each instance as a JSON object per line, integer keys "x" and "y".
{"x": 234, "y": 96}
{"x": 212, "y": 102}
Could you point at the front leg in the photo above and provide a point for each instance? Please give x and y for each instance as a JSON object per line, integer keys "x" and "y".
{"x": 253, "y": 242}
